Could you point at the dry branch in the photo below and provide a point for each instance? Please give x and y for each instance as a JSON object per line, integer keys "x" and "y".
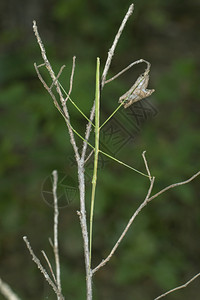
{"x": 58, "y": 89}
{"x": 55, "y": 244}
{"x": 42, "y": 269}
{"x": 127, "y": 68}
{"x": 178, "y": 287}
{"x": 50, "y": 266}
{"x": 71, "y": 78}
{"x": 105, "y": 72}
{"x": 144, "y": 203}
{"x": 173, "y": 186}
{"x": 7, "y": 292}
{"x": 112, "y": 49}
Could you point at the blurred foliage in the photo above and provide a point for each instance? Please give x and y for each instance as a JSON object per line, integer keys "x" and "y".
{"x": 161, "y": 250}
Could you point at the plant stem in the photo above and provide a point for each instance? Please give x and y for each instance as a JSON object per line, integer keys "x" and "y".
{"x": 82, "y": 113}
{"x": 104, "y": 153}
{"x": 55, "y": 243}
{"x": 112, "y": 114}
{"x": 84, "y": 229}
{"x": 124, "y": 164}
{"x": 96, "y": 151}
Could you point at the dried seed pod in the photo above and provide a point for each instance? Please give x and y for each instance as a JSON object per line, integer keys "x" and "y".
{"x": 138, "y": 91}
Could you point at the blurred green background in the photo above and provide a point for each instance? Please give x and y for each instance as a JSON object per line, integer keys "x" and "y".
{"x": 161, "y": 250}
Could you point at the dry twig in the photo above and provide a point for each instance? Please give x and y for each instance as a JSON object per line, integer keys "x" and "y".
{"x": 7, "y": 292}
{"x": 145, "y": 202}
{"x": 173, "y": 186}
{"x": 50, "y": 267}
{"x": 128, "y": 67}
{"x": 55, "y": 244}
{"x": 146, "y": 165}
{"x": 42, "y": 269}
{"x": 59, "y": 73}
{"x": 112, "y": 49}
{"x": 58, "y": 89}
{"x": 82, "y": 214}
{"x": 105, "y": 72}
{"x": 49, "y": 89}
{"x": 71, "y": 79}
{"x": 178, "y": 287}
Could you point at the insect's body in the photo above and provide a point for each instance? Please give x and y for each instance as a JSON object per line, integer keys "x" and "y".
{"x": 137, "y": 92}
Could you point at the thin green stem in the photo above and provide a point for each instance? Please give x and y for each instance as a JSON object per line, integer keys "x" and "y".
{"x": 74, "y": 130}
{"x": 122, "y": 163}
{"x": 112, "y": 114}
{"x": 104, "y": 153}
{"x": 96, "y": 151}
{"x": 82, "y": 113}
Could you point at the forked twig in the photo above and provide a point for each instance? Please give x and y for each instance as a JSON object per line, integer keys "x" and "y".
{"x": 50, "y": 267}
{"x": 178, "y": 287}
{"x": 71, "y": 79}
{"x": 105, "y": 71}
{"x": 49, "y": 89}
{"x": 144, "y": 203}
{"x": 89, "y": 155}
{"x": 173, "y": 186}
{"x": 56, "y": 83}
{"x": 81, "y": 161}
{"x": 59, "y": 73}
{"x": 82, "y": 214}
{"x": 46, "y": 61}
{"x": 42, "y": 269}
{"x": 146, "y": 165}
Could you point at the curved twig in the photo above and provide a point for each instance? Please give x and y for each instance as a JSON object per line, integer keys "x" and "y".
{"x": 178, "y": 287}
{"x": 128, "y": 67}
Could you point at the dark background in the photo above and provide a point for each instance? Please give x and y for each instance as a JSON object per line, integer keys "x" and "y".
{"x": 161, "y": 250}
